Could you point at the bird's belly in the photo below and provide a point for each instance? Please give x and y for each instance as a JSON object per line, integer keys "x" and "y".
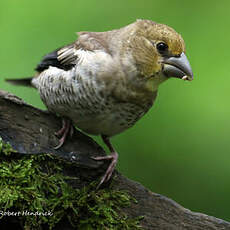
{"x": 110, "y": 121}
{"x": 98, "y": 116}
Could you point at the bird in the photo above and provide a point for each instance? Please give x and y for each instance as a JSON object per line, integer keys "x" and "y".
{"x": 104, "y": 82}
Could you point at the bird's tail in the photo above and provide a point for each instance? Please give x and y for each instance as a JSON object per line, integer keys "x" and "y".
{"x": 21, "y": 81}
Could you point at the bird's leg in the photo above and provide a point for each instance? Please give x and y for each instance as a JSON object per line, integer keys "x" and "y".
{"x": 61, "y": 131}
{"x": 112, "y": 157}
{"x": 67, "y": 129}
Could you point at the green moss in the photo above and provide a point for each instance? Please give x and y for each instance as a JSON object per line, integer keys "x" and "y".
{"x": 5, "y": 148}
{"x": 34, "y": 190}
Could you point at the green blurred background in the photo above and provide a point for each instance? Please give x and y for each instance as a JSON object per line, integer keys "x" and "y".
{"x": 181, "y": 148}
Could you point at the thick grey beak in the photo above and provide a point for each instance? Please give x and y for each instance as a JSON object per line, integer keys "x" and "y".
{"x": 178, "y": 67}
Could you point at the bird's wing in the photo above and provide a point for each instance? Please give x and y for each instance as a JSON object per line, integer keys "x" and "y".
{"x": 66, "y": 57}
{"x": 52, "y": 59}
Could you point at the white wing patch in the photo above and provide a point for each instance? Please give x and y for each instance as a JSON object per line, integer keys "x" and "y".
{"x": 67, "y": 55}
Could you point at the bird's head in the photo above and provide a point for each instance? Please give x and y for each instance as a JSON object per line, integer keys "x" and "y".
{"x": 158, "y": 51}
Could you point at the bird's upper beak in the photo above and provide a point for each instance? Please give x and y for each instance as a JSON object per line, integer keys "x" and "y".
{"x": 178, "y": 67}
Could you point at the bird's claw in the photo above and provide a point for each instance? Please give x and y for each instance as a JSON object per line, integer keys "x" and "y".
{"x": 61, "y": 142}
{"x": 67, "y": 128}
{"x": 113, "y": 157}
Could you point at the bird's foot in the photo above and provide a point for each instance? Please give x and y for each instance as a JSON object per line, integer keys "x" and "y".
{"x": 67, "y": 129}
{"x": 113, "y": 157}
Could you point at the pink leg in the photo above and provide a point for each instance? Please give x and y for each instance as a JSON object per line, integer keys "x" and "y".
{"x": 67, "y": 128}
{"x": 61, "y": 131}
{"x": 112, "y": 157}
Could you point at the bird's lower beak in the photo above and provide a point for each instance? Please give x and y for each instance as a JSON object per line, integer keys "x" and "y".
{"x": 178, "y": 67}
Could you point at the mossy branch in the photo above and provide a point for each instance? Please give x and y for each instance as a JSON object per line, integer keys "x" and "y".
{"x": 35, "y": 178}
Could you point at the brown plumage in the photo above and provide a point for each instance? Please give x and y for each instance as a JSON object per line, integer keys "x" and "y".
{"x": 106, "y": 81}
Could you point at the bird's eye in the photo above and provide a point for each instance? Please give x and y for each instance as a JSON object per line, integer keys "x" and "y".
{"x": 162, "y": 47}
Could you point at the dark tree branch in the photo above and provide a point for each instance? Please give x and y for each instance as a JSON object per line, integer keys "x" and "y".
{"x": 31, "y": 131}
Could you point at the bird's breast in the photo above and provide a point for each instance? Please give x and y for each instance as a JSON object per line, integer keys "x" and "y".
{"x": 87, "y": 102}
